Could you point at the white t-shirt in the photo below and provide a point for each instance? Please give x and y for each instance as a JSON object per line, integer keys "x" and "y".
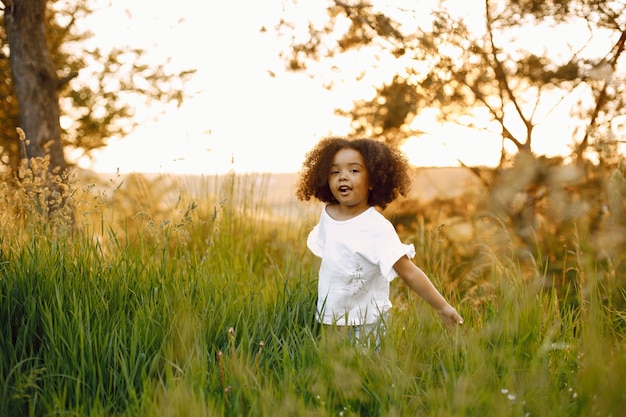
{"x": 358, "y": 255}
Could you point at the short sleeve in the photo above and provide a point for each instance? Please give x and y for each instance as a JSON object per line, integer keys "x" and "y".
{"x": 391, "y": 255}
{"x": 315, "y": 242}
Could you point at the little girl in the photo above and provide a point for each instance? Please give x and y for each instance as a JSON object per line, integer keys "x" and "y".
{"x": 360, "y": 249}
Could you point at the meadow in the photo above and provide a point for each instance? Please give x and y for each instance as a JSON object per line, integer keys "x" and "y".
{"x": 159, "y": 297}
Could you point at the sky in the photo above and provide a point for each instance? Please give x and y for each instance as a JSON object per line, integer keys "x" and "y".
{"x": 246, "y": 113}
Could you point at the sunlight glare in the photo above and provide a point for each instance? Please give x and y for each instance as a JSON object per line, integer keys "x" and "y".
{"x": 248, "y": 114}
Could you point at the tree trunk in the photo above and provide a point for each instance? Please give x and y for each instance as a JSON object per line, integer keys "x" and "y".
{"x": 35, "y": 82}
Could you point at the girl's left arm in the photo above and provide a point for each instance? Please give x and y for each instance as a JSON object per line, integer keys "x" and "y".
{"x": 417, "y": 281}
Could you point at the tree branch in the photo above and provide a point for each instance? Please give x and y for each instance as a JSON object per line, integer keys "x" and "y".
{"x": 602, "y": 98}
{"x": 61, "y": 82}
{"x": 503, "y": 83}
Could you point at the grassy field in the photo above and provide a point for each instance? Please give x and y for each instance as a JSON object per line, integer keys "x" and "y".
{"x": 166, "y": 302}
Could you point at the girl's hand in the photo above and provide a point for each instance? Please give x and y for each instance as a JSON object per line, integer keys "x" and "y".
{"x": 450, "y": 316}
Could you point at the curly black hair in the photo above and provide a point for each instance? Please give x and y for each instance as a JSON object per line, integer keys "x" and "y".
{"x": 387, "y": 166}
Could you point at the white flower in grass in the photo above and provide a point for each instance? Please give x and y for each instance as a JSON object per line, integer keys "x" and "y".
{"x": 508, "y": 394}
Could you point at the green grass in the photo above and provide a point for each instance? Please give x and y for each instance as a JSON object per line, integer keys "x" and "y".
{"x": 205, "y": 306}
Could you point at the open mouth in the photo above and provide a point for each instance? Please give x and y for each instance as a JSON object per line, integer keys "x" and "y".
{"x": 344, "y": 189}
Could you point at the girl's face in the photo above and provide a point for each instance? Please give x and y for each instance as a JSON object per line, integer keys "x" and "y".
{"x": 348, "y": 180}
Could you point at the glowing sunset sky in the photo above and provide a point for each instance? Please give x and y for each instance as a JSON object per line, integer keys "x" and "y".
{"x": 245, "y": 107}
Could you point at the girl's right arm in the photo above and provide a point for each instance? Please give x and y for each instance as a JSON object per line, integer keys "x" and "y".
{"x": 417, "y": 281}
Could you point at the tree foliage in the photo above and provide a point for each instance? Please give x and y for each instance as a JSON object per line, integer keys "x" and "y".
{"x": 98, "y": 90}
{"x": 501, "y": 67}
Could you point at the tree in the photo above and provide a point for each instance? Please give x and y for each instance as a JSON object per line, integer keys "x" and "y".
{"x": 35, "y": 82}
{"x": 47, "y": 54}
{"x": 445, "y": 64}
{"x": 464, "y": 72}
